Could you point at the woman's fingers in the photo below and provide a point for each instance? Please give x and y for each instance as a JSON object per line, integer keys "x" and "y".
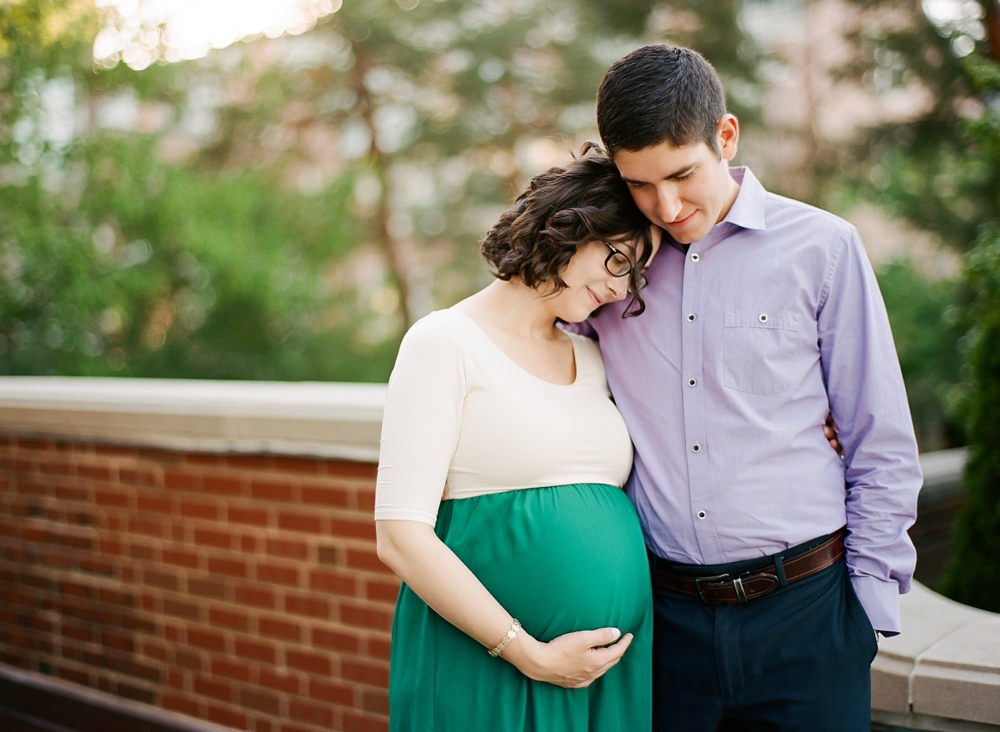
{"x": 608, "y": 657}
{"x": 602, "y": 658}
{"x": 577, "y": 659}
{"x": 832, "y": 436}
{"x": 619, "y": 650}
{"x": 596, "y": 638}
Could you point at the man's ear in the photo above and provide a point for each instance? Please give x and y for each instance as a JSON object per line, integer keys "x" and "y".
{"x": 727, "y": 135}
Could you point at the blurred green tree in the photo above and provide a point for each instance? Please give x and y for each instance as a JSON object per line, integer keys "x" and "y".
{"x": 283, "y": 208}
{"x": 922, "y": 313}
{"x": 919, "y": 168}
{"x": 973, "y": 576}
{"x": 941, "y": 171}
{"x": 443, "y": 110}
{"x": 115, "y": 262}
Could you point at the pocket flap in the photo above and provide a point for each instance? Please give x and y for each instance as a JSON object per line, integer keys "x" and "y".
{"x": 763, "y": 318}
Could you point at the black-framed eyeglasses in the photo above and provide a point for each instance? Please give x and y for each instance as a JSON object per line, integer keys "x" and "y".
{"x": 619, "y": 265}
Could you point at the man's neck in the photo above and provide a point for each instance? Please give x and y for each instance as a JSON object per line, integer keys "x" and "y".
{"x": 732, "y": 192}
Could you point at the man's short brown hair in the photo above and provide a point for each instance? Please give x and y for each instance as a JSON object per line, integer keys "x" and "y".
{"x": 660, "y": 94}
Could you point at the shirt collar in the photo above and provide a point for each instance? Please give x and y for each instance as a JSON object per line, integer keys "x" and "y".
{"x": 747, "y": 210}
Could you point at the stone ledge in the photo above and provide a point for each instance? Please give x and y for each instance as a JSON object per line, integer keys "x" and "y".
{"x": 945, "y": 664}
{"x": 941, "y": 673}
{"x": 305, "y": 418}
{"x": 892, "y": 722}
{"x": 943, "y": 471}
{"x": 33, "y": 701}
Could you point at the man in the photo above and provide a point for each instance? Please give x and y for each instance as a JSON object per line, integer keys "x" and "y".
{"x": 763, "y": 315}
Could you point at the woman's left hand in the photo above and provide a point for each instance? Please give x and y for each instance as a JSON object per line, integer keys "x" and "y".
{"x": 830, "y": 433}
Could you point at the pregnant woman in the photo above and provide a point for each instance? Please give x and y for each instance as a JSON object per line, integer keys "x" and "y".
{"x": 526, "y": 598}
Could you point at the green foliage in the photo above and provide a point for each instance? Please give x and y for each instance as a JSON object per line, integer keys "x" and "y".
{"x": 460, "y": 103}
{"x": 941, "y": 171}
{"x": 115, "y": 262}
{"x": 920, "y": 168}
{"x": 164, "y": 271}
{"x": 973, "y": 576}
{"x": 922, "y": 313}
{"x": 222, "y": 263}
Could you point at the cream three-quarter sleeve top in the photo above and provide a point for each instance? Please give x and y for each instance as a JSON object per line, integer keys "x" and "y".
{"x": 462, "y": 419}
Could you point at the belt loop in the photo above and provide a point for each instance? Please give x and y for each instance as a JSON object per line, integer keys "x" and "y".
{"x": 740, "y": 592}
{"x": 779, "y": 566}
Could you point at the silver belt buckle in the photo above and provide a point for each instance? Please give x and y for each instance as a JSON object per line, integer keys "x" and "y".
{"x": 699, "y": 580}
{"x": 737, "y": 583}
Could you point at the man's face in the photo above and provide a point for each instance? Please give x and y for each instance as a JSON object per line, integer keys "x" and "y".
{"x": 684, "y": 190}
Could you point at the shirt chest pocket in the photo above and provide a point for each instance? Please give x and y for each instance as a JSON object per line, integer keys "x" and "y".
{"x": 759, "y": 350}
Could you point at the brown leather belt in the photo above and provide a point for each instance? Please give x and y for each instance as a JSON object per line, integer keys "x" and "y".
{"x": 724, "y": 589}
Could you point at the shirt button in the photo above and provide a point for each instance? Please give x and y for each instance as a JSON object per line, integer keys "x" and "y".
{"x": 702, "y": 514}
{"x": 691, "y": 317}
{"x": 762, "y": 317}
{"x": 695, "y": 257}
{"x": 696, "y": 448}
{"x": 692, "y": 382}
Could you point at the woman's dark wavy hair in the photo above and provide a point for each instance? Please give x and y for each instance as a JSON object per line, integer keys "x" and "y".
{"x": 563, "y": 208}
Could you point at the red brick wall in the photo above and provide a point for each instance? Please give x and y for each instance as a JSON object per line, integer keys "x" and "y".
{"x": 240, "y": 589}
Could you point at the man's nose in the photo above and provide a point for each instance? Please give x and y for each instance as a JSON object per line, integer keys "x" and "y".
{"x": 668, "y": 204}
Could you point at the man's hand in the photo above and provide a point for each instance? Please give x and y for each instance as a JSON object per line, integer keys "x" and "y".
{"x": 830, "y": 433}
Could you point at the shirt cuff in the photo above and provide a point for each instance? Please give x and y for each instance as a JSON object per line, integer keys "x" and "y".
{"x": 395, "y": 513}
{"x": 880, "y": 599}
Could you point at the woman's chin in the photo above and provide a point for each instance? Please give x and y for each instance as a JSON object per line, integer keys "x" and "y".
{"x": 580, "y": 315}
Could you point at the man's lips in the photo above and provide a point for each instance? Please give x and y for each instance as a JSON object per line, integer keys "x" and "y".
{"x": 678, "y": 223}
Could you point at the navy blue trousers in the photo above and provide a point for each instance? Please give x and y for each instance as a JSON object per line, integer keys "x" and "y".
{"x": 796, "y": 660}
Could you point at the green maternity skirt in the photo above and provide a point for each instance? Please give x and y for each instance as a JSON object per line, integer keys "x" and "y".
{"x": 558, "y": 559}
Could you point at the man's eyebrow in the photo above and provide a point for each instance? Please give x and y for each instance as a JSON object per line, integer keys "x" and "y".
{"x": 676, "y": 174}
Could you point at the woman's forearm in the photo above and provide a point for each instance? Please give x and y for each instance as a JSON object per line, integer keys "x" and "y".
{"x": 414, "y": 552}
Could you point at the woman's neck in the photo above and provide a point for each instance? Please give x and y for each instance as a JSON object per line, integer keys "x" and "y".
{"x": 514, "y": 308}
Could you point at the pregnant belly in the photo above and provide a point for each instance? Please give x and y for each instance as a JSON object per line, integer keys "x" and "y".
{"x": 559, "y": 559}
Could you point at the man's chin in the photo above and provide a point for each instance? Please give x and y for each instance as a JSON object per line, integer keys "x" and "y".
{"x": 687, "y": 235}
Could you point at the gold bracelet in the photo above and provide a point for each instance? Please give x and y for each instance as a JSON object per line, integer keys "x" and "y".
{"x": 511, "y": 634}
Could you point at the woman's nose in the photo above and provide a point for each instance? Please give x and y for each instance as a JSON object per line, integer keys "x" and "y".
{"x": 619, "y": 286}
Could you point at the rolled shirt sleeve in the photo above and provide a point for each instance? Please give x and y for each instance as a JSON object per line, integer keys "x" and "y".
{"x": 869, "y": 405}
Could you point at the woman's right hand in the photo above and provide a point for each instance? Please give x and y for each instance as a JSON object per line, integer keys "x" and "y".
{"x": 574, "y": 660}
{"x": 414, "y": 552}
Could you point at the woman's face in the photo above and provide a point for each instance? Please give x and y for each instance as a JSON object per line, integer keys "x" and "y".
{"x": 589, "y": 284}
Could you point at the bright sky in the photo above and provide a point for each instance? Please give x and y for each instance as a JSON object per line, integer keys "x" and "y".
{"x": 140, "y": 31}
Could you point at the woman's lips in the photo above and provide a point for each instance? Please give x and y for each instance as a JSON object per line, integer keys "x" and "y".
{"x": 594, "y": 298}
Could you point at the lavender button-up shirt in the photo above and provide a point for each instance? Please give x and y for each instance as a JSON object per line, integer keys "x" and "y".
{"x": 748, "y": 340}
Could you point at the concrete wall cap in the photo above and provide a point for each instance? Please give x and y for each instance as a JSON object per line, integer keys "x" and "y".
{"x": 943, "y": 467}
{"x": 303, "y": 418}
{"x": 944, "y": 665}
